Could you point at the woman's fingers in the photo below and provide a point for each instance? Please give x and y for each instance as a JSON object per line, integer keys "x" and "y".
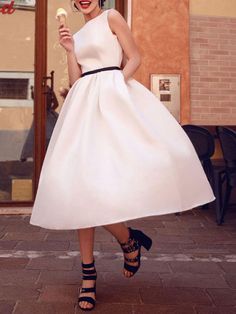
{"x": 64, "y": 31}
{"x": 65, "y": 38}
{"x": 65, "y": 34}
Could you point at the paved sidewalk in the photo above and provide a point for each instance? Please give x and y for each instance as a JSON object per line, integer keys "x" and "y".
{"x": 190, "y": 269}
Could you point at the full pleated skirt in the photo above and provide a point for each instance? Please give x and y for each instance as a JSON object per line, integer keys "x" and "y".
{"x": 116, "y": 154}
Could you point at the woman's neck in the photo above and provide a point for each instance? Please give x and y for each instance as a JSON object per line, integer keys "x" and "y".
{"x": 92, "y": 15}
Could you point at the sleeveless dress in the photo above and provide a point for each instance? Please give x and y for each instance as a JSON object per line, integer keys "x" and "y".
{"x": 116, "y": 153}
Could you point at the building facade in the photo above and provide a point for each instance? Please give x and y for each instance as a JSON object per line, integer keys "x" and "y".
{"x": 192, "y": 39}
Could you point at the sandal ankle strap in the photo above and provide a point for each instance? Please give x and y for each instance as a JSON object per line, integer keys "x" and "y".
{"x": 94, "y": 277}
{"x": 90, "y": 265}
{"x": 85, "y": 290}
{"x": 89, "y": 271}
{"x": 132, "y": 260}
{"x": 130, "y": 246}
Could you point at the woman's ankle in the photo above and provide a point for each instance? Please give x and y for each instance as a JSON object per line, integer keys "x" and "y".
{"x": 88, "y": 261}
{"x": 124, "y": 237}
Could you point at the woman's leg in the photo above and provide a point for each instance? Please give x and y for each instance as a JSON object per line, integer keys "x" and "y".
{"x": 86, "y": 242}
{"x": 121, "y": 233}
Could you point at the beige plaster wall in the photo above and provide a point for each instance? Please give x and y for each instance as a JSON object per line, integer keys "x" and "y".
{"x": 225, "y": 8}
{"x": 17, "y": 41}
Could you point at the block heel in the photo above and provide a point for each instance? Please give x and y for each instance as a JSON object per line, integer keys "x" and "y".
{"x": 136, "y": 240}
{"x": 143, "y": 239}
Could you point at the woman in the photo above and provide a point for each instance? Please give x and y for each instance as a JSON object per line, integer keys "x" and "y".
{"x": 116, "y": 152}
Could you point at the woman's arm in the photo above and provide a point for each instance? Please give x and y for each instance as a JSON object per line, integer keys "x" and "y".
{"x": 66, "y": 40}
{"x": 74, "y": 70}
{"x": 119, "y": 27}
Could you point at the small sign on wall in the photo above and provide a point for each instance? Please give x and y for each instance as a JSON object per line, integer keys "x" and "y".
{"x": 17, "y": 4}
{"x": 167, "y": 88}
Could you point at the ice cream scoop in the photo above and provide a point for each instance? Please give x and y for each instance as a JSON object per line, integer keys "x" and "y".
{"x": 61, "y": 16}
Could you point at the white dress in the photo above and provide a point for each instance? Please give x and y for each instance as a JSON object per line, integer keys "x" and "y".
{"x": 116, "y": 153}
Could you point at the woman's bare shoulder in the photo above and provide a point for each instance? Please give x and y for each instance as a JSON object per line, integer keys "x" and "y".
{"x": 115, "y": 15}
{"x": 117, "y": 22}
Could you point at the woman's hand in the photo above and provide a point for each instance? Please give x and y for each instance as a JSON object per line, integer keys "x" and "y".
{"x": 124, "y": 76}
{"x": 66, "y": 39}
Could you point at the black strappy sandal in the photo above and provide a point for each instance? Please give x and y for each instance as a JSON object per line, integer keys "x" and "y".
{"x": 136, "y": 240}
{"x": 88, "y": 274}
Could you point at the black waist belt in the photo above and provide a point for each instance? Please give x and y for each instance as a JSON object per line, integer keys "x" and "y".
{"x": 101, "y": 69}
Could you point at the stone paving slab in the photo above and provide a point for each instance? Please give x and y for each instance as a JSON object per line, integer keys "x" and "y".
{"x": 194, "y": 280}
{"x": 214, "y": 310}
{"x": 7, "y": 307}
{"x": 23, "y": 307}
{"x": 191, "y": 267}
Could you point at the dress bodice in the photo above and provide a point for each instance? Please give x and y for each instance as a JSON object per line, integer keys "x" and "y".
{"x": 96, "y": 46}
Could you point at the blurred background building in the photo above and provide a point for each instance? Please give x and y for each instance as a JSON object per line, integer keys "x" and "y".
{"x": 188, "y": 50}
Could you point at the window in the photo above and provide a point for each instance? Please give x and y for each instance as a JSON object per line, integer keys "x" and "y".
{"x": 15, "y": 89}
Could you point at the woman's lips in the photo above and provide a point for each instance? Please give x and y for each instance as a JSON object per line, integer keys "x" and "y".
{"x": 85, "y": 4}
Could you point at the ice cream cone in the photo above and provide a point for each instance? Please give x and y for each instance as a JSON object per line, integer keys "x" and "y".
{"x": 61, "y": 16}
